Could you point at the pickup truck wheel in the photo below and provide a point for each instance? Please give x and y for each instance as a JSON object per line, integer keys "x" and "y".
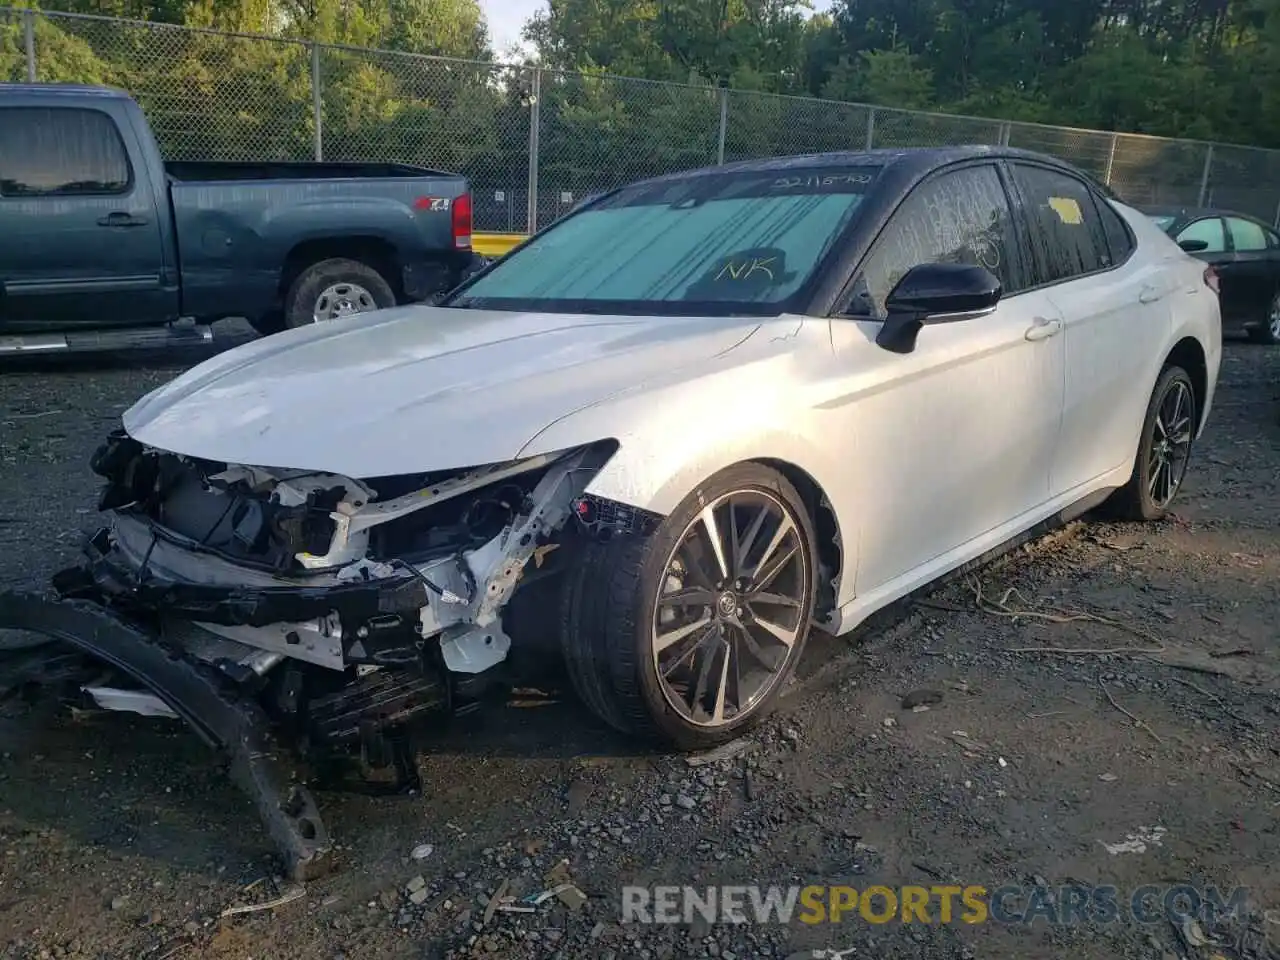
{"x": 333, "y": 289}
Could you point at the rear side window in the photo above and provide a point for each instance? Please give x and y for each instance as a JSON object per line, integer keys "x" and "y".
{"x": 958, "y": 217}
{"x": 1210, "y": 231}
{"x": 1119, "y": 239}
{"x": 1248, "y": 237}
{"x": 1068, "y": 235}
{"x": 60, "y": 153}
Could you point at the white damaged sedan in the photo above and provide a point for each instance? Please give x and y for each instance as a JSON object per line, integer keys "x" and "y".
{"x": 661, "y": 440}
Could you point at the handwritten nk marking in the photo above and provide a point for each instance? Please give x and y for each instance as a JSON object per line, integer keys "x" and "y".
{"x": 744, "y": 270}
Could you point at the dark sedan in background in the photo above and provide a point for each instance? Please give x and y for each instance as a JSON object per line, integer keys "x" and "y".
{"x": 1244, "y": 251}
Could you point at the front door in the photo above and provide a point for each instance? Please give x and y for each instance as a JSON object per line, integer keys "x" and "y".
{"x": 953, "y": 440}
{"x": 80, "y": 240}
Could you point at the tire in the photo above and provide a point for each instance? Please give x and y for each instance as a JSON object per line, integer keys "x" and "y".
{"x": 341, "y": 281}
{"x": 1268, "y": 329}
{"x": 1135, "y": 500}
{"x": 609, "y": 627}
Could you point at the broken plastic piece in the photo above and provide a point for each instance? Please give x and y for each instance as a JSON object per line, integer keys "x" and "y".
{"x": 130, "y": 701}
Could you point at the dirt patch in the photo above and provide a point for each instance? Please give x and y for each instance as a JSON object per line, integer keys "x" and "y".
{"x": 1042, "y": 758}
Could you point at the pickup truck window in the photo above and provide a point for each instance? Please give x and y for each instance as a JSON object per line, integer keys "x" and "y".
{"x": 711, "y": 244}
{"x": 60, "y": 152}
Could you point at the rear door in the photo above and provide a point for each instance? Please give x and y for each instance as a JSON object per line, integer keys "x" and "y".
{"x": 1115, "y": 306}
{"x": 80, "y": 240}
{"x": 1253, "y": 269}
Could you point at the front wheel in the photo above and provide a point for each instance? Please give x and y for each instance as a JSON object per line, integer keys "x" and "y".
{"x": 1163, "y": 450}
{"x": 1268, "y": 329}
{"x": 688, "y": 635}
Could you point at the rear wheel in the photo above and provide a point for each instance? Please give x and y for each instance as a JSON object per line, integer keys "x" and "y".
{"x": 1268, "y": 329}
{"x": 334, "y": 289}
{"x": 689, "y": 635}
{"x": 1163, "y": 450}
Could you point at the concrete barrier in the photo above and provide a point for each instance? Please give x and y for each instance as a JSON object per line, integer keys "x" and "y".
{"x": 495, "y": 244}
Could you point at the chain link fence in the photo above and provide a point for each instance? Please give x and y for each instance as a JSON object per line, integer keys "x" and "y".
{"x": 536, "y": 142}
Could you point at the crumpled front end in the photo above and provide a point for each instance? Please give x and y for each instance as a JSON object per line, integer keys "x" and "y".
{"x": 332, "y": 611}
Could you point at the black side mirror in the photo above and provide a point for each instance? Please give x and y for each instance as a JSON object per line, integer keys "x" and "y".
{"x": 935, "y": 293}
{"x": 1194, "y": 246}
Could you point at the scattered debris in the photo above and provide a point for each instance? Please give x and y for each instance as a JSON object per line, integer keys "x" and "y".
{"x": 1193, "y": 935}
{"x": 422, "y": 851}
{"x": 295, "y": 893}
{"x": 1137, "y": 842}
{"x": 1137, "y": 721}
{"x": 1002, "y": 761}
{"x": 571, "y": 896}
{"x": 890, "y": 722}
{"x": 727, "y": 751}
{"x": 492, "y": 907}
{"x": 1108, "y": 778}
{"x": 921, "y": 698}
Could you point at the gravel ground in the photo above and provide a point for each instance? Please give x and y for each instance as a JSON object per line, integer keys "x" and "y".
{"x": 119, "y": 840}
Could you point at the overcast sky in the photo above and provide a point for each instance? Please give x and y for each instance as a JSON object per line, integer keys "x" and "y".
{"x": 507, "y": 18}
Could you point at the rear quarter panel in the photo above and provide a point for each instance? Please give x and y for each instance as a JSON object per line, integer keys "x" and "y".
{"x": 1194, "y": 308}
{"x": 235, "y": 236}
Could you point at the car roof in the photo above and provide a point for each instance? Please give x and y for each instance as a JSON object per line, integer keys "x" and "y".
{"x": 65, "y": 89}
{"x": 1194, "y": 213}
{"x": 918, "y": 159}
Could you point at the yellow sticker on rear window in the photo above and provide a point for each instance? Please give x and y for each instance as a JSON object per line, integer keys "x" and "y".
{"x": 1067, "y": 209}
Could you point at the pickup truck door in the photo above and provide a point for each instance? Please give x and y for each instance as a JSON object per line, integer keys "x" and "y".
{"x": 80, "y": 232}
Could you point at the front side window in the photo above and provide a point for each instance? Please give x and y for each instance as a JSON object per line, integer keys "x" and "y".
{"x": 1208, "y": 230}
{"x": 1067, "y": 232}
{"x": 743, "y": 242}
{"x": 1247, "y": 236}
{"x": 60, "y": 152}
{"x": 958, "y": 217}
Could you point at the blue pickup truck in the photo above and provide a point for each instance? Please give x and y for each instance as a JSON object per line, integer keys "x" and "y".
{"x": 103, "y": 243}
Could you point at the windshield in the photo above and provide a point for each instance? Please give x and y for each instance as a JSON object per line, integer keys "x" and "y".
{"x": 1162, "y": 220}
{"x": 709, "y": 244}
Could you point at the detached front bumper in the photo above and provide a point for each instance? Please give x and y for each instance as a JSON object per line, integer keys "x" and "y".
{"x": 234, "y": 726}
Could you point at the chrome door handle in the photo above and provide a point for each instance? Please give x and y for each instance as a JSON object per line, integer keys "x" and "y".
{"x": 1044, "y": 328}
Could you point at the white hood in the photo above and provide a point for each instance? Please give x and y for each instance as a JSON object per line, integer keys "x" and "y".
{"x": 415, "y": 388}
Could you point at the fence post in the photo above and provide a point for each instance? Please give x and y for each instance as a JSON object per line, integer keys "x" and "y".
{"x": 1006, "y": 131}
{"x": 724, "y": 124}
{"x": 29, "y": 42}
{"x": 1204, "y": 177}
{"x": 1111, "y": 159}
{"x": 535, "y": 118}
{"x": 871, "y": 128}
{"x": 317, "y": 103}
{"x": 1277, "y": 220}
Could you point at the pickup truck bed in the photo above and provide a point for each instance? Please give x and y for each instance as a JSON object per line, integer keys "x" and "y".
{"x": 98, "y": 233}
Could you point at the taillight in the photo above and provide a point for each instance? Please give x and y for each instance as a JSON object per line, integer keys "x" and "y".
{"x": 1211, "y": 278}
{"x": 462, "y": 222}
